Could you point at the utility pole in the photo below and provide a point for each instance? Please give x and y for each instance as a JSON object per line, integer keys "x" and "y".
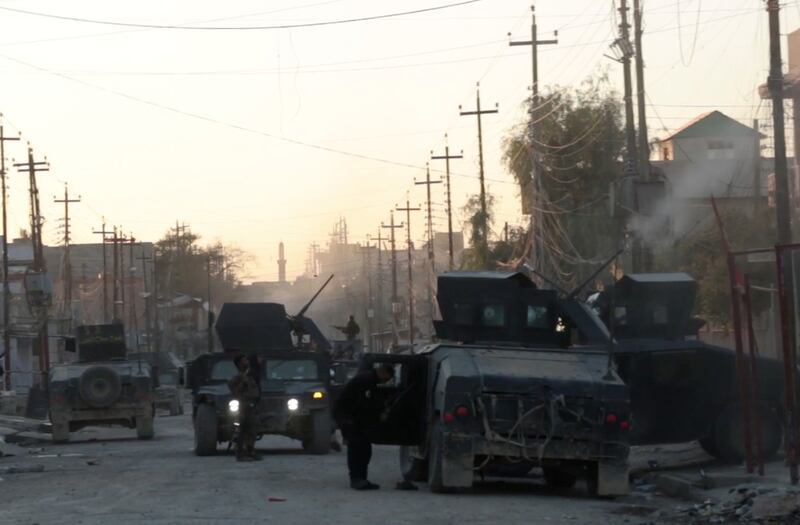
{"x": 483, "y": 238}
{"x": 379, "y": 313}
{"x": 775, "y": 83}
{"x": 366, "y": 263}
{"x": 39, "y": 265}
{"x": 156, "y": 318}
{"x": 147, "y": 318}
{"x": 67, "y": 277}
{"x": 6, "y": 289}
{"x": 536, "y": 221}
{"x": 134, "y": 321}
{"x": 117, "y": 298}
{"x": 210, "y": 316}
{"x": 104, "y": 233}
{"x": 392, "y": 226}
{"x": 408, "y": 209}
{"x": 431, "y": 252}
{"x": 644, "y": 143}
{"x": 625, "y": 50}
{"x": 446, "y": 157}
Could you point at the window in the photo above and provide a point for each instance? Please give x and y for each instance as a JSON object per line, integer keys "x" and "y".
{"x": 660, "y": 314}
{"x": 538, "y": 317}
{"x": 620, "y": 316}
{"x": 223, "y": 370}
{"x": 291, "y": 369}
{"x": 463, "y": 314}
{"x": 720, "y": 149}
{"x": 493, "y": 315}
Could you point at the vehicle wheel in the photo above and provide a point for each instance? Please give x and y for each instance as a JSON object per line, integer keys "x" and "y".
{"x": 413, "y": 469}
{"x": 709, "y": 445}
{"x": 144, "y": 427}
{"x": 99, "y": 386}
{"x": 61, "y": 432}
{"x": 205, "y": 431}
{"x": 435, "y": 477}
{"x": 319, "y": 440}
{"x": 728, "y": 434}
{"x": 560, "y": 479}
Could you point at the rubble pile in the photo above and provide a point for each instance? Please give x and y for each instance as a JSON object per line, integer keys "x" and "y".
{"x": 746, "y": 504}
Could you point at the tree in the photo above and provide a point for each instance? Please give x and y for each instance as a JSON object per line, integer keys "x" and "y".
{"x": 184, "y": 267}
{"x": 699, "y": 253}
{"x": 578, "y": 152}
{"x": 477, "y": 257}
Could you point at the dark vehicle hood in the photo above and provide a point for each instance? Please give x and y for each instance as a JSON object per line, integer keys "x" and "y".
{"x": 577, "y": 373}
{"x": 272, "y": 387}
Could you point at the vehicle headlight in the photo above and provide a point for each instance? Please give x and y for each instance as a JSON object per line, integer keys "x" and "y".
{"x": 317, "y": 395}
{"x": 293, "y": 404}
{"x": 233, "y": 405}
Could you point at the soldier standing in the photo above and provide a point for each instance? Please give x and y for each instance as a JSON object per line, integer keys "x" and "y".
{"x": 245, "y": 389}
{"x": 359, "y": 407}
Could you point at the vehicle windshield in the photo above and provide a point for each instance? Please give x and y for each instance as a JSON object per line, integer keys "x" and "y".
{"x": 291, "y": 370}
{"x": 223, "y": 371}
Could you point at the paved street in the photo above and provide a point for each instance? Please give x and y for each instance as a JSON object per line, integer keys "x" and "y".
{"x": 108, "y": 476}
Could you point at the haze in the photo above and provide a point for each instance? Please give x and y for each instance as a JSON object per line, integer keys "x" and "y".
{"x": 111, "y": 107}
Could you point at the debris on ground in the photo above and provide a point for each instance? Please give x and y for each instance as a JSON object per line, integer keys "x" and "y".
{"x": 21, "y": 469}
{"x": 749, "y": 503}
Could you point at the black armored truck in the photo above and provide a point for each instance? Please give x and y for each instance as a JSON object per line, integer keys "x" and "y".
{"x": 683, "y": 389}
{"x": 104, "y": 386}
{"x": 520, "y": 379}
{"x": 293, "y": 379}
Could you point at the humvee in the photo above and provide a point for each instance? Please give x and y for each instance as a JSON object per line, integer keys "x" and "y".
{"x": 294, "y": 382}
{"x": 683, "y": 389}
{"x": 103, "y": 387}
{"x": 168, "y": 370}
{"x": 520, "y": 379}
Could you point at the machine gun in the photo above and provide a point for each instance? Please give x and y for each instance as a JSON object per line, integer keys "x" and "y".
{"x": 298, "y": 322}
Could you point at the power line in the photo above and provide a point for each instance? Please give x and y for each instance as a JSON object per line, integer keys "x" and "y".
{"x": 238, "y": 28}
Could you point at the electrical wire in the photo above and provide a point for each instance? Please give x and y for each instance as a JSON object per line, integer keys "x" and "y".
{"x": 238, "y": 28}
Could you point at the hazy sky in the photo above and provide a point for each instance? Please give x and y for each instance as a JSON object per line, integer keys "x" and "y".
{"x": 151, "y": 126}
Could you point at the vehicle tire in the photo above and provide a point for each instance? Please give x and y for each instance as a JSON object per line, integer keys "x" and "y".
{"x": 559, "y": 479}
{"x": 205, "y": 431}
{"x": 413, "y": 469}
{"x": 99, "y": 386}
{"x": 435, "y": 466}
{"x": 319, "y": 438}
{"x": 709, "y": 445}
{"x": 728, "y": 434}
{"x": 61, "y": 432}
{"x": 144, "y": 427}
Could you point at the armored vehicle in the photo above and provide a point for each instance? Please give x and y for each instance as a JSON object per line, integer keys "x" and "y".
{"x": 168, "y": 370}
{"x": 103, "y": 387}
{"x": 294, "y": 381}
{"x": 520, "y": 379}
{"x": 683, "y": 389}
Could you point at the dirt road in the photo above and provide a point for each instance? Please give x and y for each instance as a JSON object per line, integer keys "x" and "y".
{"x": 107, "y": 476}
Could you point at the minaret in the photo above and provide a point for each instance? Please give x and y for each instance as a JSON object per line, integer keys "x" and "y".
{"x": 281, "y": 264}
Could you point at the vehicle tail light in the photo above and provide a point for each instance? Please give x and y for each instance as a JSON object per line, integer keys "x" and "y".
{"x": 448, "y": 417}
{"x": 611, "y": 419}
{"x": 462, "y": 411}
{"x": 624, "y": 425}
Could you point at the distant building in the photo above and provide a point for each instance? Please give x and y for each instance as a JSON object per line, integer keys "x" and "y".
{"x": 712, "y": 155}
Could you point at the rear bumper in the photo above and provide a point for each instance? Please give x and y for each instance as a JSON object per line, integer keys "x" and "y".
{"x": 116, "y": 413}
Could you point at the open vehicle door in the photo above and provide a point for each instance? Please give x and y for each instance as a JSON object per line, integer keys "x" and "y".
{"x": 404, "y": 398}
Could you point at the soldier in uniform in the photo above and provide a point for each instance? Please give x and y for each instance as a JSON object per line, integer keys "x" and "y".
{"x": 357, "y": 408}
{"x": 245, "y": 389}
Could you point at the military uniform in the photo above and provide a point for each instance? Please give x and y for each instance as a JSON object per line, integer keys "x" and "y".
{"x": 358, "y": 408}
{"x": 245, "y": 389}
